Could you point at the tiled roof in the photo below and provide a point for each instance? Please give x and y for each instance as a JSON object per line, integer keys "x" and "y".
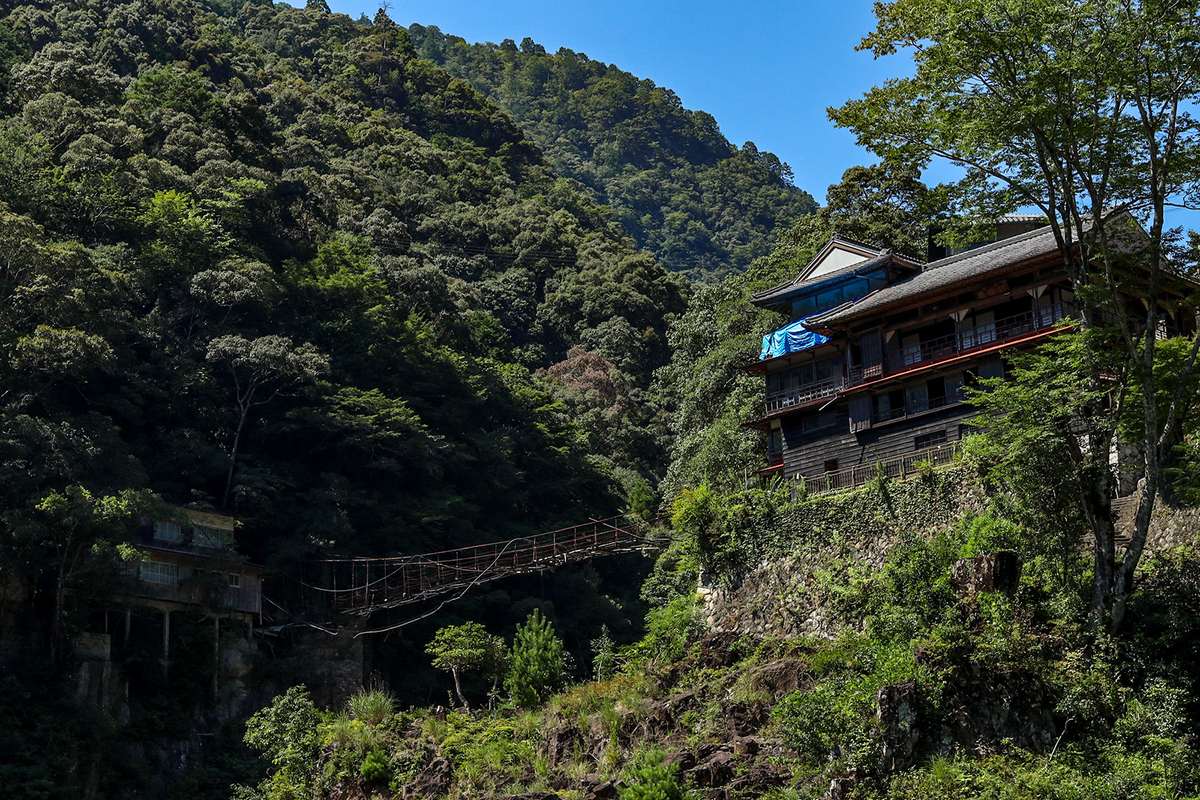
{"x": 969, "y": 267}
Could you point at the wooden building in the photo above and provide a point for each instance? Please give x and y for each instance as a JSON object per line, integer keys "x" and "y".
{"x": 872, "y": 365}
{"x": 189, "y": 564}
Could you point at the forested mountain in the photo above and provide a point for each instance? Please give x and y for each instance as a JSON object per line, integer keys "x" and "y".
{"x": 276, "y": 260}
{"x": 269, "y": 261}
{"x": 699, "y": 203}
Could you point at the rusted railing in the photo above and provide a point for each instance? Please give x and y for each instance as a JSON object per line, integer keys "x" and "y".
{"x": 364, "y": 585}
{"x": 895, "y": 467}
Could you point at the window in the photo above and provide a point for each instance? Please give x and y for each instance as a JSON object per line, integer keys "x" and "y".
{"x": 929, "y": 440}
{"x": 211, "y": 538}
{"x": 168, "y": 532}
{"x": 954, "y": 388}
{"x": 918, "y": 398}
{"x": 775, "y": 444}
{"x": 235, "y": 580}
{"x": 160, "y": 572}
{"x": 820, "y": 422}
{"x": 798, "y": 378}
{"x": 831, "y": 465}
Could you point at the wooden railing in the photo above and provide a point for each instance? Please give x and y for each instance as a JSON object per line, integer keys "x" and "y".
{"x": 966, "y": 341}
{"x": 364, "y": 585}
{"x": 803, "y": 394}
{"x": 909, "y": 410}
{"x": 895, "y": 467}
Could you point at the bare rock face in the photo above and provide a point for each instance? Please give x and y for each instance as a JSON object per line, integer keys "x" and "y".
{"x": 780, "y": 678}
{"x": 683, "y": 758}
{"x": 595, "y": 789}
{"x": 560, "y": 739}
{"x": 716, "y": 770}
{"x": 996, "y": 572}
{"x": 897, "y": 713}
{"x": 434, "y": 780}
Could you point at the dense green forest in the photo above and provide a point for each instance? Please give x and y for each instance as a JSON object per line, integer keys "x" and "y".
{"x": 700, "y": 204}
{"x": 276, "y": 261}
{"x": 269, "y": 260}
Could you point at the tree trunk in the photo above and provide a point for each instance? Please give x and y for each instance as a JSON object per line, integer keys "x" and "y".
{"x": 233, "y": 452}
{"x": 458, "y": 689}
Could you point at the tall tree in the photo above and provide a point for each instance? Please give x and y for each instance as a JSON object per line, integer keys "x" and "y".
{"x": 464, "y": 648}
{"x": 1079, "y": 108}
{"x": 261, "y": 369}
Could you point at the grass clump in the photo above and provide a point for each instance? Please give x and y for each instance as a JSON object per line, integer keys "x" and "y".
{"x": 371, "y": 706}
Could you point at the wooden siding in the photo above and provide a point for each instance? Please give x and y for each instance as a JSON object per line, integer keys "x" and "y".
{"x": 806, "y": 454}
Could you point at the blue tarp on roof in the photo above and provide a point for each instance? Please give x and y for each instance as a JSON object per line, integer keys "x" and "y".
{"x": 791, "y": 338}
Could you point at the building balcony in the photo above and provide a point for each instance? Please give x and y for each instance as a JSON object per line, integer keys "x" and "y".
{"x": 803, "y": 395}
{"x": 964, "y": 342}
{"x": 199, "y": 592}
{"x": 914, "y": 410}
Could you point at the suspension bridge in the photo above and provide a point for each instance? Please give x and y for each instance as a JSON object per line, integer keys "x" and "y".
{"x": 363, "y": 586}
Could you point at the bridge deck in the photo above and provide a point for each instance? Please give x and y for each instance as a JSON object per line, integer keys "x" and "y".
{"x": 364, "y": 585}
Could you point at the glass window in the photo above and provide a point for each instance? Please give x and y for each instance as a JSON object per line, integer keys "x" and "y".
{"x": 929, "y": 440}
{"x": 820, "y": 421}
{"x": 167, "y": 532}
{"x": 235, "y": 580}
{"x": 160, "y": 572}
{"x": 918, "y": 398}
{"x": 211, "y": 538}
{"x": 954, "y": 388}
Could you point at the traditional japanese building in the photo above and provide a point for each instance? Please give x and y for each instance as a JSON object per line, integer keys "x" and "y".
{"x": 872, "y": 365}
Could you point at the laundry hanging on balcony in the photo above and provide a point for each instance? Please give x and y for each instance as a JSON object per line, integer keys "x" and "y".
{"x": 791, "y": 338}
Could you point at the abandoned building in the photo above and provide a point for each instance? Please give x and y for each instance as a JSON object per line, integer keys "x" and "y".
{"x": 190, "y": 571}
{"x": 871, "y": 367}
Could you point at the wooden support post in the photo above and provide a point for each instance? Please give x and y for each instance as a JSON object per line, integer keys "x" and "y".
{"x": 166, "y": 640}
{"x": 216, "y": 656}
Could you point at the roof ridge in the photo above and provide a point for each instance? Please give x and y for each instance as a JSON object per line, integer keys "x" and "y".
{"x": 987, "y": 248}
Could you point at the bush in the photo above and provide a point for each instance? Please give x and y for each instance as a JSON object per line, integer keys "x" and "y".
{"x": 537, "y": 667}
{"x": 286, "y": 733}
{"x": 375, "y": 767}
{"x": 653, "y": 781}
{"x": 668, "y": 631}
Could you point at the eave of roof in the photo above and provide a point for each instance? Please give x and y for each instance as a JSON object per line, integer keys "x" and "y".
{"x": 785, "y": 291}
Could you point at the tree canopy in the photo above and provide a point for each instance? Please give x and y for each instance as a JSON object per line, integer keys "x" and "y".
{"x": 685, "y": 193}
{"x": 1082, "y": 110}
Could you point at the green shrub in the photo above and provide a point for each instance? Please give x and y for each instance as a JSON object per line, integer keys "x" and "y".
{"x": 537, "y": 667}
{"x": 653, "y": 781}
{"x": 668, "y": 631}
{"x": 345, "y": 733}
{"x": 286, "y": 733}
{"x": 836, "y": 719}
{"x": 375, "y": 767}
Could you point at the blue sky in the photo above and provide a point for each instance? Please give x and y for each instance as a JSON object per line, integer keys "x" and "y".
{"x": 766, "y": 70}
